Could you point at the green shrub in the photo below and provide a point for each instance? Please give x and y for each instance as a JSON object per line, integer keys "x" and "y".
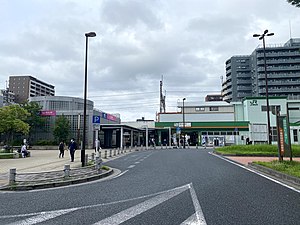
{"x": 46, "y": 142}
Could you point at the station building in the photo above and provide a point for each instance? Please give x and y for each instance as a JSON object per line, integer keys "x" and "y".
{"x": 221, "y": 123}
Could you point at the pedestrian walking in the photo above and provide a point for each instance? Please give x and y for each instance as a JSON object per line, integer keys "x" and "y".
{"x": 61, "y": 148}
{"x": 97, "y": 145}
{"x": 72, "y": 147}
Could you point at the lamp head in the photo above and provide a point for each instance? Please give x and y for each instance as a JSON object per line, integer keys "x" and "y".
{"x": 256, "y": 35}
{"x": 90, "y": 34}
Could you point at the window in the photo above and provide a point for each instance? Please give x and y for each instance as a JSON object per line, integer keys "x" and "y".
{"x": 214, "y": 108}
{"x": 273, "y": 133}
{"x": 295, "y": 135}
{"x": 200, "y": 109}
{"x": 273, "y": 108}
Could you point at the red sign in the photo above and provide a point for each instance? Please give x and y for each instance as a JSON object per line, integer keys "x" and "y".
{"x": 48, "y": 113}
{"x": 111, "y": 117}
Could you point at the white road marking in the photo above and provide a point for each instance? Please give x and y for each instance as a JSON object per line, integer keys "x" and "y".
{"x": 192, "y": 220}
{"x": 198, "y": 211}
{"x": 256, "y": 172}
{"x": 155, "y": 199}
{"x": 120, "y": 174}
{"x": 44, "y": 216}
{"x": 92, "y": 206}
{"x": 136, "y": 162}
{"x": 131, "y": 166}
{"x": 140, "y": 208}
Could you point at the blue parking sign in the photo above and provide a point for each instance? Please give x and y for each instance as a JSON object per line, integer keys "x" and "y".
{"x": 96, "y": 119}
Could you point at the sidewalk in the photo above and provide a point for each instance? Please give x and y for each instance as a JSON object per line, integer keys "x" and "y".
{"x": 45, "y": 161}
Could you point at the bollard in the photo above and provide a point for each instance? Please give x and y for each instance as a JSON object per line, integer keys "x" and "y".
{"x": 115, "y": 152}
{"x": 161, "y": 147}
{"x": 130, "y": 149}
{"x": 110, "y": 152}
{"x": 105, "y": 154}
{"x": 67, "y": 169}
{"x": 86, "y": 159}
{"x": 196, "y": 146}
{"x": 100, "y": 154}
{"x": 98, "y": 164}
{"x": 12, "y": 176}
{"x": 93, "y": 156}
{"x": 125, "y": 150}
{"x": 118, "y": 151}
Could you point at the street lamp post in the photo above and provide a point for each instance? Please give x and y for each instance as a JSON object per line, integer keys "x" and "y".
{"x": 183, "y": 120}
{"x": 87, "y": 35}
{"x": 262, "y": 37}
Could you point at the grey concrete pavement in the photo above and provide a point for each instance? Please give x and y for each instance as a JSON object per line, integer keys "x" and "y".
{"x": 45, "y": 161}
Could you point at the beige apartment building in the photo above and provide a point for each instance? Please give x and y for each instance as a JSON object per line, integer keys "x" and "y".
{"x": 25, "y": 86}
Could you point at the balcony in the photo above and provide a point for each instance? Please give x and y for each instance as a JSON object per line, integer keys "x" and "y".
{"x": 281, "y": 90}
{"x": 277, "y": 54}
{"x": 279, "y": 61}
{"x": 244, "y": 88}
{"x": 280, "y": 82}
{"x": 279, "y": 68}
{"x": 247, "y": 82}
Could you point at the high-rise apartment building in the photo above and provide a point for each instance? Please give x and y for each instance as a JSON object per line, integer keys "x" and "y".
{"x": 245, "y": 75}
{"x": 27, "y": 86}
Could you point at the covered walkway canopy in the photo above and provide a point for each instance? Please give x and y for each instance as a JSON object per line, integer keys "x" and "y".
{"x": 119, "y": 135}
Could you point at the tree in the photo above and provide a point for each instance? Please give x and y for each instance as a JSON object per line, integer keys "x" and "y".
{"x": 61, "y": 129}
{"x": 294, "y": 2}
{"x": 13, "y": 119}
{"x": 34, "y": 119}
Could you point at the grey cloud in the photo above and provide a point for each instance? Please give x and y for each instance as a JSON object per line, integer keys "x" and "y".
{"x": 129, "y": 14}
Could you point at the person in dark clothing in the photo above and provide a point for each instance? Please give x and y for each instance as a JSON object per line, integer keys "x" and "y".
{"x": 72, "y": 147}
{"x": 61, "y": 148}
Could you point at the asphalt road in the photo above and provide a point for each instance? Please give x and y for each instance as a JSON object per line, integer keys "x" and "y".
{"x": 160, "y": 187}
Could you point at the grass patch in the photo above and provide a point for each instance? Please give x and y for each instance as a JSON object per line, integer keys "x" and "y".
{"x": 255, "y": 150}
{"x": 287, "y": 167}
{"x": 105, "y": 168}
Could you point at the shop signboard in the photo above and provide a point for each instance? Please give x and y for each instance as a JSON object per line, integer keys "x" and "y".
{"x": 283, "y": 135}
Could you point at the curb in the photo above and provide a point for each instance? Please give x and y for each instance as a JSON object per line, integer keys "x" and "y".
{"x": 56, "y": 184}
{"x": 245, "y": 155}
{"x": 291, "y": 180}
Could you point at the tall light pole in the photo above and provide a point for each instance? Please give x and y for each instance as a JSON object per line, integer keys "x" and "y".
{"x": 262, "y": 37}
{"x": 87, "y": 35}
{"x": 183, "y": 120}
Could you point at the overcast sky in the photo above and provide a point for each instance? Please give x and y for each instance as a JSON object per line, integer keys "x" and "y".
{"x": 138, "y": 41}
